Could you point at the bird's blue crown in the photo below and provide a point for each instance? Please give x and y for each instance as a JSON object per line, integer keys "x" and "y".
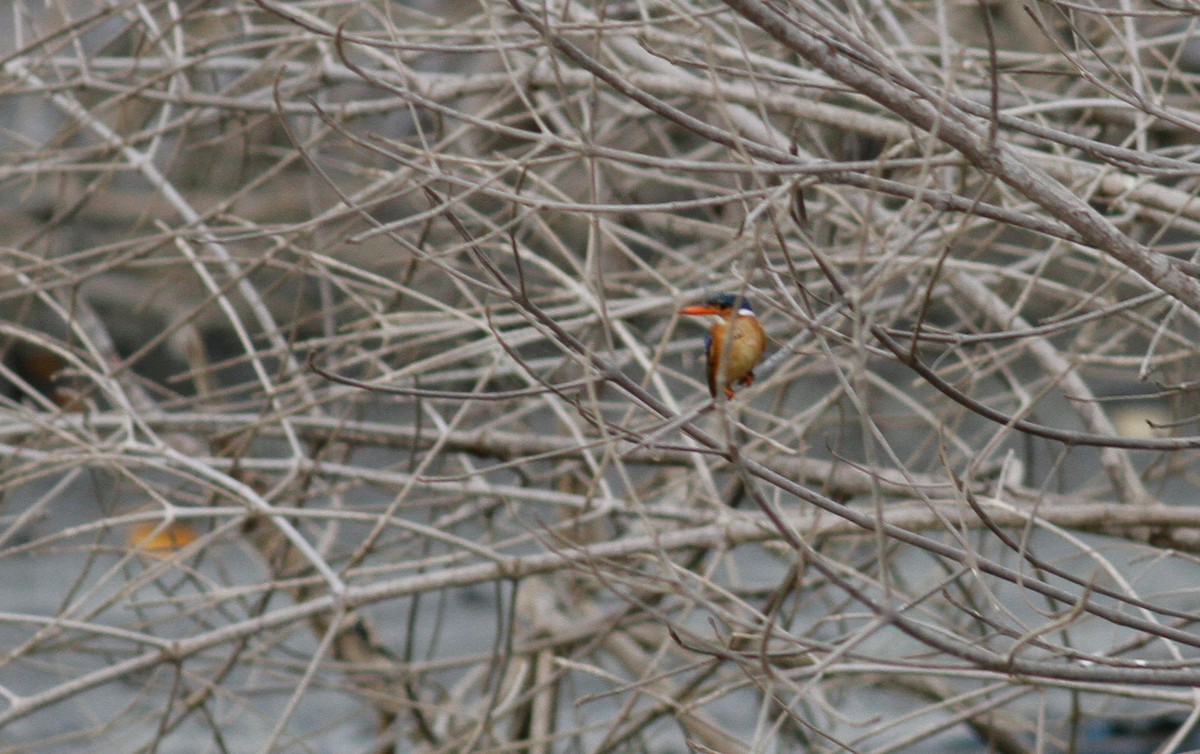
{"x": 729, "y": 301}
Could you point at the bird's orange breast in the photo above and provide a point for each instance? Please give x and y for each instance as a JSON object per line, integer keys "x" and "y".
{"x": 740, "y": 356}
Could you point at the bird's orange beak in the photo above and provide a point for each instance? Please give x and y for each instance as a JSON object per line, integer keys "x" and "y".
{"x": 699, "y": 310}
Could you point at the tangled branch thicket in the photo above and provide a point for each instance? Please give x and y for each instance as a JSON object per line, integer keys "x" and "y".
{"x": 346, "y": 406}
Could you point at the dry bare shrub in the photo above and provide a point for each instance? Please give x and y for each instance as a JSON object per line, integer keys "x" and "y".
{"x": 939, "y": 518}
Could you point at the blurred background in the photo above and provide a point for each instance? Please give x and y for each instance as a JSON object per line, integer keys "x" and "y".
{"x": 345, "y": 405}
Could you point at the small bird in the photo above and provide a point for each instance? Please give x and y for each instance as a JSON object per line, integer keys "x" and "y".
{"x": 735, "y": 316}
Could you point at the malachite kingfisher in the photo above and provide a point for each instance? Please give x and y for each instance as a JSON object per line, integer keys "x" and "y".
{"x": 734, "y": 317}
